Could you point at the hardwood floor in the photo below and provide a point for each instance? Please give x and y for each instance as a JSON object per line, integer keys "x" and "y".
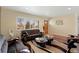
{"x": 58, "y": 46}
{"x": 36, "y": 49}
{"x": 60, "y": 38}
{"x": 48, "y": 49}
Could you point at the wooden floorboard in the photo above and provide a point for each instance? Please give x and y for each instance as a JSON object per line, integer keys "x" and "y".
{"x": 36, "y": 49}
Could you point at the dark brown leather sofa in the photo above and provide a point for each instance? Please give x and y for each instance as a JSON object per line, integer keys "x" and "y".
{"x": 30, "y": 34}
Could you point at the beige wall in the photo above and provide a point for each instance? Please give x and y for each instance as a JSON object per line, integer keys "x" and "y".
{"x": 0, "y": 19}
{"x": 8, "y": 20}
{"x": 68, "y": 26}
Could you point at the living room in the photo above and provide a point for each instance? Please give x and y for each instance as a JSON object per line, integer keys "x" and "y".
{"x": 50, "y": 21}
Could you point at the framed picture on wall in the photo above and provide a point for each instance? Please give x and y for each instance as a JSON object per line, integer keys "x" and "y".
{"x": 59, "y": 22}
{"x": 26, "y": 23}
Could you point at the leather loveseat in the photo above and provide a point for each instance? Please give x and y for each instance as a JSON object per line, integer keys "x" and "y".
{"x": 30, "y": 34}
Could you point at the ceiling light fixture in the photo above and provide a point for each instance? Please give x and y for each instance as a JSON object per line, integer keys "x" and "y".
{"x": 69, "y": 8}
{"x": 26, "y": 8}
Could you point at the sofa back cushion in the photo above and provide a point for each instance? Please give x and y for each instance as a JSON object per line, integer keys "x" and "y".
{"x": 32, "y": 32}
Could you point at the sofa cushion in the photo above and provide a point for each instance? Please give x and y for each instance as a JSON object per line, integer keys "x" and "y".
{"x": 32, "y": 32}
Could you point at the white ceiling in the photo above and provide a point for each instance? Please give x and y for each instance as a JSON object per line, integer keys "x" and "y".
{"x": 50, "y": 11}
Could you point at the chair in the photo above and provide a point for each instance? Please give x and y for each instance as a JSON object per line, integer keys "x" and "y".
{"x": 3, "y": 44}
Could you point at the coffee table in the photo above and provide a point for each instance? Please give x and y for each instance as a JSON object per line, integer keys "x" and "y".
{"x": 42, "y": 41}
